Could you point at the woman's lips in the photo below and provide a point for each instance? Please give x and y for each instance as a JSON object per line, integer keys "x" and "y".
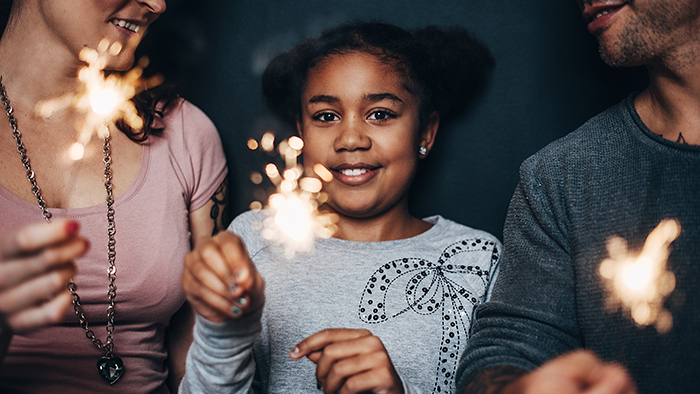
{"x": 126, "y": 26}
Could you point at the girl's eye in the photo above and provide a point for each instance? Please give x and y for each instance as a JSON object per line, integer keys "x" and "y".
{"x": 381, "y": 115}
{"x": 326, "y": 117}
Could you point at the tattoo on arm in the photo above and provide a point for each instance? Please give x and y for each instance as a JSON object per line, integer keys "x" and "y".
{"x": 219, "y": 210}
{"x": 493, "y": 380}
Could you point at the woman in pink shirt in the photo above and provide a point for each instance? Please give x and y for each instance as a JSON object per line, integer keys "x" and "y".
{"x": 122, "y": 217}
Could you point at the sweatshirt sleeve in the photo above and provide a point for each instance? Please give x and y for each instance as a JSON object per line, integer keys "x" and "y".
{"x": 220, "y": 359}
{"x": 531, "y": 315}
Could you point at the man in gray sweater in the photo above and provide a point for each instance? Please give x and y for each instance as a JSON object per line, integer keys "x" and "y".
{"x": 620, "y": 174}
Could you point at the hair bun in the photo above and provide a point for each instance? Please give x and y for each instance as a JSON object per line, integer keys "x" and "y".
{"x": 448, "y": 67}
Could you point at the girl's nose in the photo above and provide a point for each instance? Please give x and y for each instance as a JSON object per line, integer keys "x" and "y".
{"x": 352, "y": 135}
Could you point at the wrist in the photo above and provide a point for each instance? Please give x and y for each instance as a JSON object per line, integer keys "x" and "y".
{"x": 514, "y": 387}
{"x": 497, "y": 379}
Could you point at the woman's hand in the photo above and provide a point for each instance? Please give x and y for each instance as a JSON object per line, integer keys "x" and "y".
{"x": 349, "y": 361}
{"x": 36, "y": 264}
{"x": 220, "y": 280}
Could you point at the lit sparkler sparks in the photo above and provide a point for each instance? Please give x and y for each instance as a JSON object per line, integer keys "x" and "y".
{"x": 102, "y": 98}
{"x": 295, "y": 220}
{"x": 641, "y": 283}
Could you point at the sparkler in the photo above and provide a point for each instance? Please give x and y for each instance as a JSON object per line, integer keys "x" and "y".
{"x": 102, "y": 98}
{"x": 641, "y": 283}
{"x": 295, "y": 220}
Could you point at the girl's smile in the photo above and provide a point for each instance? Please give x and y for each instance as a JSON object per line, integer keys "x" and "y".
{"x": 354, "y": 174}
{"x": 360, "y": 121}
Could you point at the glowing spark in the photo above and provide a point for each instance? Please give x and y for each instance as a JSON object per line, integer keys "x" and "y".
{"x": 104, "y": 101}
{"x": 323, "y": 172}
{"x": 252, "y": 144}
{"x": 294, "y": 220}
{"x": 640, "y": 284}
{"x": 296, "y": 143}
{"x": 102, "y": 98}
{"x": 256, "y": 178}
{"x": 267, "y": 142}
{"x": 77, "y": 151}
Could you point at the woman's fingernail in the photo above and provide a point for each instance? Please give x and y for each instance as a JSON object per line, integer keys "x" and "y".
{"x": 233, "y": 287}
{"x": 318, "y": 386}
{"x": 235, "y": 310}
{"x": 294, "y": 351}
{"x": 242, "y": 301}
{"x": 72, "y": 227}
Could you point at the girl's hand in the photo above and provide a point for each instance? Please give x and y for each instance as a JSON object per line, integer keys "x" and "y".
{"x": 349, "y": 361}
{"x": 36, "y": 263}
{"x": 220, "y": 280}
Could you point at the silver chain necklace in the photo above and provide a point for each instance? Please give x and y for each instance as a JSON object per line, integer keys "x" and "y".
{"x": 110, "y": 367}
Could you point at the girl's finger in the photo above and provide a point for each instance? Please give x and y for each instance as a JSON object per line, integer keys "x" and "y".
{"x": 314, "y": 356}
{"x": 210, "y": 255}
{"x": 204, "y": 276}
{"x": 210, "y": 304}
{"x": 323, "y": 338}
{"x": 370, "y": 381}
{"x": 342, "y": 359}
{"x": 35, "y": 237}
{"x": 242, "y": 270}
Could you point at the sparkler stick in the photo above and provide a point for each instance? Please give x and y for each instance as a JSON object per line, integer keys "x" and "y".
{"x": 295, "y": 220}
{"x": 102, "y": 98}
{"x": 640, "y": 284}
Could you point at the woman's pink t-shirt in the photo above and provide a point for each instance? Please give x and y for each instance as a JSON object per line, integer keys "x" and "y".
{"x": 180, "y": 171}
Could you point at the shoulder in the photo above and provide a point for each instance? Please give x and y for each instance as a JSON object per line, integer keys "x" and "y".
{"x": 449, "y": 230}
{"x": 183, "y": 111}
{"x": 463, "y": 247}
{"x": 587, "y": 152}
{"x": 457, "y": 238}
{"x": 186, "y": 122}
{"x": 189, "y": 134}
{"x": 600, "y": 137}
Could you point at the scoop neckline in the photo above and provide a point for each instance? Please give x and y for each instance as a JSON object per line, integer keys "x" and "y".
{"x": 93, "y": 209}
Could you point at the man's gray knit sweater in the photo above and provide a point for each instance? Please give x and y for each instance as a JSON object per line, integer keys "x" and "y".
{"x": 612, "y": 176}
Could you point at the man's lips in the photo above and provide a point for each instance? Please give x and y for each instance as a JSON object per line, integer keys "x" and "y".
{"x": 595, "y": 11}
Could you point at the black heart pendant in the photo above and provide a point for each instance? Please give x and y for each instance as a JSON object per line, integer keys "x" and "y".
{"x": 110, "y": 368}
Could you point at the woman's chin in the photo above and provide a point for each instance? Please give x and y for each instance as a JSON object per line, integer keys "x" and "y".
{"x": 120, "y": 63}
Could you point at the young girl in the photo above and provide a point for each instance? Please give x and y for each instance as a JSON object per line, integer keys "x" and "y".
{"x": 385, "y": 304}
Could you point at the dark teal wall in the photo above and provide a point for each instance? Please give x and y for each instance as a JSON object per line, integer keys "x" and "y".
{"x": 548, "y": 80}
